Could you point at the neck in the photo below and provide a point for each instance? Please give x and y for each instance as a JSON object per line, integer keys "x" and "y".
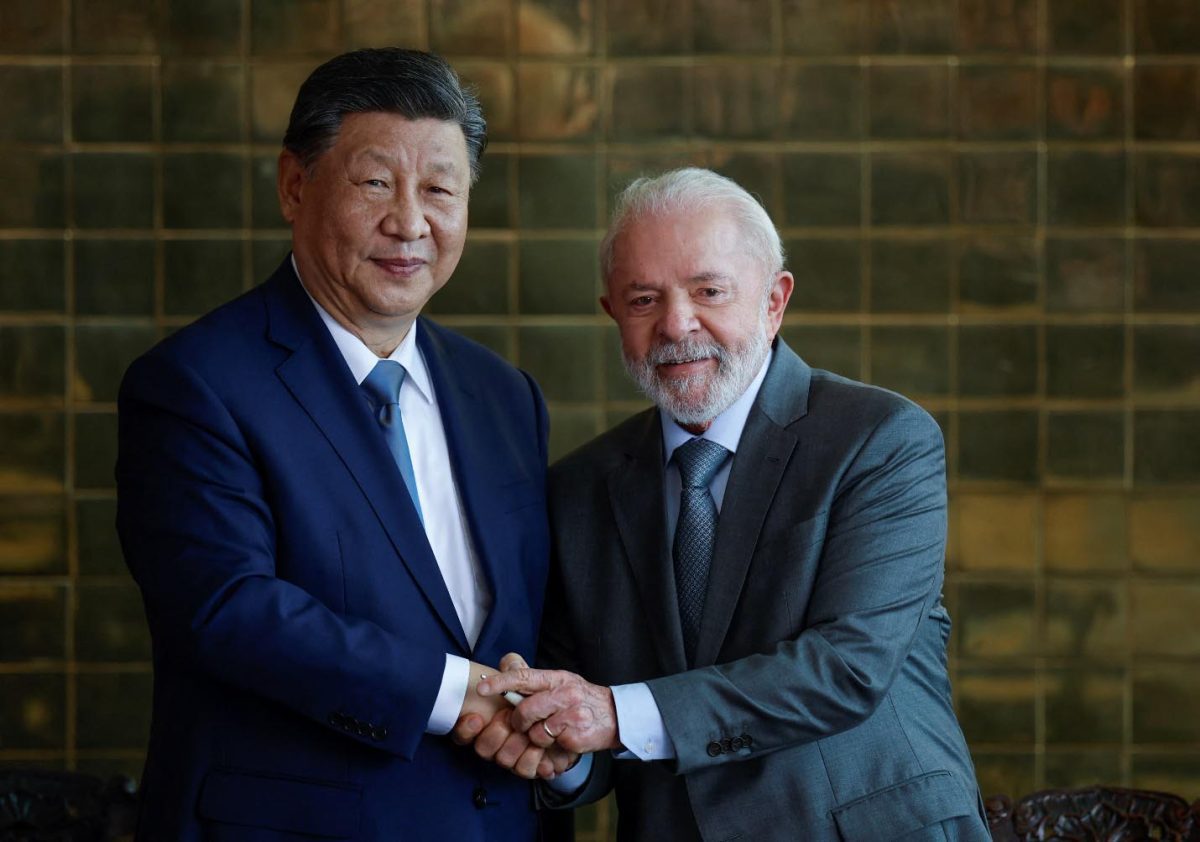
{"x": 696, "y": 429}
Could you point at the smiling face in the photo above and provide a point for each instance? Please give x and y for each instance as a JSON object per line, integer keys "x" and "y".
{"x": 379, "y": 222}
{"x": 696, "y": 311}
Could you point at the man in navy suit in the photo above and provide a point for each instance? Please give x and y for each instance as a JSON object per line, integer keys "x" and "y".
{"x": 335, "y": 509}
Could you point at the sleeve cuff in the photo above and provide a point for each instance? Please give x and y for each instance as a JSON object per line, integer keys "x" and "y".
{"x": 640, "y": 724}
{"x": 451, "y": 695}
{"x": 572, "y": 780}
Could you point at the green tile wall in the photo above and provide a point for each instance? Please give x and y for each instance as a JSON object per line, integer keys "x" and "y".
{"x": 991, "y": 205}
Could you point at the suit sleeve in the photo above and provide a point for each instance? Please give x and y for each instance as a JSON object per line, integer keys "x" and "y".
{"x": 199, "y": 536}
{"x": 879, "y": 573}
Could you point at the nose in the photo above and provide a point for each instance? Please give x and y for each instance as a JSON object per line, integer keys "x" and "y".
{"x": 405, "y": 218}
{"x": 678, "y": 319}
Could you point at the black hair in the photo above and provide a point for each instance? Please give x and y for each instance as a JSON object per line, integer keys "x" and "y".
{"x": 410, "y": 83}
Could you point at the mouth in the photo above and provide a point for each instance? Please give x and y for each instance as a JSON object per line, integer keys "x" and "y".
{"x": 399, "y": 266}
{"x": 684, "y": 367}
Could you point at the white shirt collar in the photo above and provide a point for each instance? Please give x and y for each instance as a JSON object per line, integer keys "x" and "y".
{"x": 726, "y": 428}
{"x": 362, "y": 359}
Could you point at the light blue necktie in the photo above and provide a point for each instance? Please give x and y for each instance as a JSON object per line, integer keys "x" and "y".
{"x": 382, "y": 388}
{"x": 695, "y": 532}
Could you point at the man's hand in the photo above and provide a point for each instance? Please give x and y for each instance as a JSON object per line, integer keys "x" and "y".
{"x": 561, "y": 708}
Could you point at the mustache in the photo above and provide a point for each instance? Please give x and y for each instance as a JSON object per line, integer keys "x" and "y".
{"x": 686, "y": 350}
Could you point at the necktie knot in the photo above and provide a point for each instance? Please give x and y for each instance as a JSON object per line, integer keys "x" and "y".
{"x": 382, "y": 387}
{"x": 699, "y": 461}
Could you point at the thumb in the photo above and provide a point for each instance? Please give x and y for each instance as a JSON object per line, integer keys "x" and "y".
{"x": 512, "y": 661}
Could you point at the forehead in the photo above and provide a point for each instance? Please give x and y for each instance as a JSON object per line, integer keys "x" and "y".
{"x": 680, "y": 243}
{"x": 425, "y": 141}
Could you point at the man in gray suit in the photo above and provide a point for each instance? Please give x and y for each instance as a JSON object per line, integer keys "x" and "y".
{"x": 750, "y": 573}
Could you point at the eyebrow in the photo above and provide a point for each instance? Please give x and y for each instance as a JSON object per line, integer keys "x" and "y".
{"x": 439, "y": 167}
{"x": 704, "y": 277}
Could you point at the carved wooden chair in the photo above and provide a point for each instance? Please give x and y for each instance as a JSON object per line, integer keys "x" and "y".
{"x": 1094, "y": 814}
{"x": 45, "y": 806}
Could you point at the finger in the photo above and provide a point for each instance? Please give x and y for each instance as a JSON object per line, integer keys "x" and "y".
{"x": 511, "y": 751}
{"x": 493, "y": 737}
{"x": 560, "y": 758}
{"x": 546, "y": 770}
{"x": 534, "y": 709}
{"x": 512, "y": 661}
{"x": 529, "y": 761}
{"x": 467, "y": 729}
{"x": 523, "y": 680}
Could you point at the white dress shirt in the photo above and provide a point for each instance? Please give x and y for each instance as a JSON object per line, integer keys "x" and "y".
{"x": 441, "y": 506}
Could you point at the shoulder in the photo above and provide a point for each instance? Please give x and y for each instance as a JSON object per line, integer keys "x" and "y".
{"x": 473, "y": 360}
{"x": 848, "y": 405}
{"x": 608, "y": 451}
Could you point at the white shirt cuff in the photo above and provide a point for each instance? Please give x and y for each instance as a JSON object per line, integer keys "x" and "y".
{"x": 571, "y": 780}
{"x": 451, "y": 695}
{"x": 640, "y": 724}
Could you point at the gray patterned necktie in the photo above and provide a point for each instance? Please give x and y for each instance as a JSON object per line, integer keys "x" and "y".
{"x": 695, "y": 532}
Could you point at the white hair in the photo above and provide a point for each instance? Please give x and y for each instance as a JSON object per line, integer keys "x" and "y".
{"x": 687, "y": 189}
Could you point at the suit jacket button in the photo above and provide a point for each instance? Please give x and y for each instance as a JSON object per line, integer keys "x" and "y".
{"x": 714, "y": 749}
{"x": 479, "y": 798}
{"x": 736, "y": 743}
{"x": 379, "y": 733}
{"x": 747, "y": 740}
{"x": 336, "y": 720}
{"x": 727, "y": 744}
{"x": 363, "y": 729}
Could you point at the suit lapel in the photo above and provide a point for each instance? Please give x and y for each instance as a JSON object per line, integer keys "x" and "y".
{"x": 636, "y": 493}
{"x": 763, "y": 452}
{"x": 319, "y": 380}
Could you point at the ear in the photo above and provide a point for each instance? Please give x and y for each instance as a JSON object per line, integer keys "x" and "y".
{"x": 607, "y": 305}
{"x": 781, "y": 292}
{"x": 290, "y": 184}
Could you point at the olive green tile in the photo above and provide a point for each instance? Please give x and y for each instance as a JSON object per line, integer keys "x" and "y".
{"x": 613, "y": 417}
{"x": 1085, "y": 361}
{"x": 758, "y": 173}
{"x": 997, "y": 102}
{"x": 571, "y": 428}
{"x": 33, "y": 101}
{"x": 909, "y": 101}
{"x": 1164, "y": 617}
{"x": 34, "y": 189}
{"x": 202, "y": 190}
{"x": 985, "y": 26}
{"x": 121, "y": 765}
{"x": 558, "y": 276}
{"x": 112, "y": 103}
{"x": 913, "y": 360}
{"x": 1085, "y": 102}
{"x": 827, "y": 273}
{"x": 102, "y": 353}
{"x": 995, "y": 531}
{"x": 202, "y": 101}
{"x": 1085, "y": 532}
{"x": 32, "y": 711}
{"x": 33, "y": 536}
{"x": 117, "y": 714}
{"x": 1157, "y": 94}
{"x": 557, "y": 191}
{"x": 638, "y": 28}
{"x": 32, "y": 275}
{"x": 264, "y": 198}
{"x": 496, "y": 337}
{"x": 910, "y": 276}
{"x": 1164, "y": 532}
{"x": 996, "y": 705}
{"x": 1167, "y": 189}
{"x": 34, "y": 622}
{"x": 115, "y": 26}
{"x": 479, "y": 284}
{"x": 997, "y": 360}
{"x": 910, "y": 189}
{"x": 1166, "y": 27}
{"x": 594, "y": 818}
{"x": 96, "y": 537}
{"x": 31, "y": 361}
{"x": 626, "y": 166}
{"x": 287, "y": 27}
{"x": 1085, "y": 27}
{"x": 734, "y": 101}
{"x": 489, "y": 195}
{"x": 1085, "y": 188}
{"x": 113, "y": 190}
{"x": 266, "y": 256}
{"x": 1166, "y": 360}
{"x": 203, "y": 27}
{"x": 1164, "y": 446}
{"x": 821, "y": 102}
{"x": 564, "y": 360}
{"x": 995, "y": 619}
{"x": 1165, "y": 274}
{"x": 1073, "y": 769}
{"x": 556, "y": 102}
{"x": 273, "y": 88}
{"x": 1088, "y": 275}
{"x": 31, "y": 26}
{"x": 467, "y": 27}
{"x": 834, "y": 348}
{"x": 555, "y": 27}
{"x": 552, "y": 98}
{"x": 199, "y": 275}
{"x": 383, "y": 23}
{"x": 31, "y": 451}
{"x": 114, "y": 277}
{"x": 1160, "y": 694}
{"x": 95, "y": 449}
{"x": 1009, "y": 773}
{"x": 618, "y": 385}
{"x": 997, "y": 187}
{"x": 925, "y": 26}
{"x": 648, "y": 102}
{"x": 110, "y": 624}
{"x": 997, "y": 272}
{"x": 723, "y": 27}
{"x": 1084, "y": 706}
{"x": 822, "y": 189}
{"x": 998, "y": 445}
{"x": 1173, "y": 772}
{"x": 1085, "y": 445}
{"x": 1088, "y": 619}
{"x": 817, "y": 27}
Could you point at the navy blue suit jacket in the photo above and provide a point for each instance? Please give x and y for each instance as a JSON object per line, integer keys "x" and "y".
{"x": 298, "y": 616}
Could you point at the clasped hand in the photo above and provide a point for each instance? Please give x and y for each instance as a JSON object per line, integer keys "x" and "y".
{"x": 561, "y": 717}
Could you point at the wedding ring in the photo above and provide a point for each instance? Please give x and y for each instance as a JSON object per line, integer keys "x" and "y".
{"x": 549, "y": 733}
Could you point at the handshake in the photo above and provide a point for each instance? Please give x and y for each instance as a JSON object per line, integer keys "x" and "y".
{"x": 560, "y": 717}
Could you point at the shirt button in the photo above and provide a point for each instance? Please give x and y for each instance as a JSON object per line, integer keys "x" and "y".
{"x": 714, "y": 749}
{"x": 649, "y": 747}
{"x": 479, "y": 798}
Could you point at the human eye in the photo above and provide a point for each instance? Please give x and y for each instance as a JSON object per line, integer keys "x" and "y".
{"x": 376, "y": 183}
{"x": 641, "y": 301}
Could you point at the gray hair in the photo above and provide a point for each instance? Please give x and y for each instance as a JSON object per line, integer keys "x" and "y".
{"x": 689, "y": 188}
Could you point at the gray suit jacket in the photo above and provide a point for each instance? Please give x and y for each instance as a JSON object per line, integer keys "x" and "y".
{"x": 818, "y": 707}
